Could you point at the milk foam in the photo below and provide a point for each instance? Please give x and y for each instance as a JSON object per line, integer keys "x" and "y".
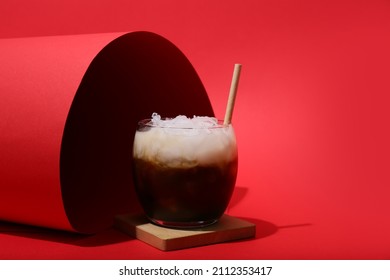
{"x": 184, "y": 142}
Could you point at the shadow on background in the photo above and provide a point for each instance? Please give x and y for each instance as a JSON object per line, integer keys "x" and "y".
{"x": 265, "y": 228}
{"x": 238, "y": 195}
{"x": 105, "y": 237}
{"x": 112, "y": 235}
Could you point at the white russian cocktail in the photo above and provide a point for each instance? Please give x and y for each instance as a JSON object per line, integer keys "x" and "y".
{"x": 184, "y": 169}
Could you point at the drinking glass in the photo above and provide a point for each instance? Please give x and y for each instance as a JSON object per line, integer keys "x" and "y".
{"x": 184, "y": 176}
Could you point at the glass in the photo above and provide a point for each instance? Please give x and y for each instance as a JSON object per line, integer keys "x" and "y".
{"x": 184, "y": 177}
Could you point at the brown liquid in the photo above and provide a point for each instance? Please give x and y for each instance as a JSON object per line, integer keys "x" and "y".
{"x": 184, "y": 195}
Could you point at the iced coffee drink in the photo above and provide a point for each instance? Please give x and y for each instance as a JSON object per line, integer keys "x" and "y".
{"x": 184, "y": 169}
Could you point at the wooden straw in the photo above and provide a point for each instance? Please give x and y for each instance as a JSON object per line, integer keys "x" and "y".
{"x": 232, "y": 94}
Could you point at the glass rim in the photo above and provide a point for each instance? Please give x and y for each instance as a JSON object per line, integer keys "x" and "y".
{"x": 148, "y": 123}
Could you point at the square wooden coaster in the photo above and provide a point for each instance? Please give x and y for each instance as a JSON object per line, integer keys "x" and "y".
{"x": 228, "y": 228}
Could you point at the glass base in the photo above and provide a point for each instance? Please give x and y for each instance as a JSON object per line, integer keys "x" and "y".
{"x": 183, "y": 225}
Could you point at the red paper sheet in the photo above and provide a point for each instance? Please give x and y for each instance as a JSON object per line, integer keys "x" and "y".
{"x": 69, "y": 106}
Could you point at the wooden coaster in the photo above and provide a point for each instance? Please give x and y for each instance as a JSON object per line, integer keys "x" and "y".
{"x": 226, "y": 229}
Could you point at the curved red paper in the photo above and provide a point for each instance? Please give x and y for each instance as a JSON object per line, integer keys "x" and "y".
{"x": 68, "y": 113}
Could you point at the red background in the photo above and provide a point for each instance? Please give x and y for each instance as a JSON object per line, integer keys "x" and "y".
{"x": 311, "y": 118}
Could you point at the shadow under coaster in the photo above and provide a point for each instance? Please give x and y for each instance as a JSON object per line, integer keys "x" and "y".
{"x": 228, "y": 228}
